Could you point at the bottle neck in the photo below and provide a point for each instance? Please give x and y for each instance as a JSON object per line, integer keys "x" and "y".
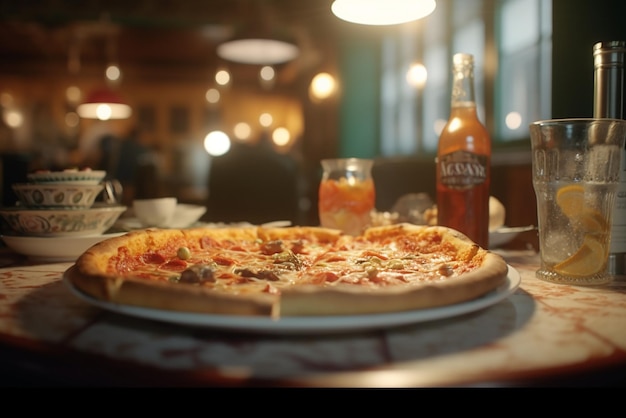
{"x": 463, "y": 87}
{"x": 608, "y": 60}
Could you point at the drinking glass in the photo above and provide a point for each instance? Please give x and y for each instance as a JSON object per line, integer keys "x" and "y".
{"x": 346, "y": 194}
{"x": 575, "y": 172}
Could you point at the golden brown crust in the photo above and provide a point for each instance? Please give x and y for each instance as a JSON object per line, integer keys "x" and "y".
{"x": 93, "y": 275}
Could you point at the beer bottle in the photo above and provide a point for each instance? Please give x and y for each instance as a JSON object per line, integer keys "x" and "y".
{"x": 464, "y": 160}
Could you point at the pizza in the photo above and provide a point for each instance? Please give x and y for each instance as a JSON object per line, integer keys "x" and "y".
{"x": 292, "y": 271}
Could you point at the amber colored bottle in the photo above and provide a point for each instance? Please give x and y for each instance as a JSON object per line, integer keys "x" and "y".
{"x": 464, "y": 160}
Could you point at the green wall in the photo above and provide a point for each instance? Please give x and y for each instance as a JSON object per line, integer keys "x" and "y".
{"x": 359, "y": 127}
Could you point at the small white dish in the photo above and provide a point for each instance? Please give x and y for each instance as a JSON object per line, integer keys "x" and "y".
{"x": 53, "y": 250}
{"x": 157, "y": 212}
{"x": 186, "y": 215}
{"x": 505, "y": 234}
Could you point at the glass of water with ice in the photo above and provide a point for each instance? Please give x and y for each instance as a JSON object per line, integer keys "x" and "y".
{"x": 576, "y": 169}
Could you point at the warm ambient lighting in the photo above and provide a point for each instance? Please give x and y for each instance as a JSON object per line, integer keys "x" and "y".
{"x": 322, "y": 86}
{"x": 104, "y": 104}
{"x": 382, "y": 12}
{"x": 417, "y": 75}
{"x": 258, "y": 51}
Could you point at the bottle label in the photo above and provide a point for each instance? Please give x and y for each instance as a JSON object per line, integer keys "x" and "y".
{"x": 462, "y": 170}
{"x": 618, "y": 231}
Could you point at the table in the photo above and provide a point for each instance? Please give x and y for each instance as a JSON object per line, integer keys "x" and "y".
{"x": 542, "y": 335}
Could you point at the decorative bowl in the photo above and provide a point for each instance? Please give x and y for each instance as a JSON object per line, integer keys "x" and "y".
{"x": 60, "y": 222}
{"x": 62, "y": 195}
{"x": 73, "y": 176}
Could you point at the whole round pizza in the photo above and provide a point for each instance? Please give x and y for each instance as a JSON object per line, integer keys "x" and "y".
{"x": 294, "y": 271}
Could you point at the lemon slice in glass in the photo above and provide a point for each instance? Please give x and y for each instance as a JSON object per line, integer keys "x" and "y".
{"x": 592, "y": 222}
{"x": 588, "y": 260}
{"x": 571, "y": 200}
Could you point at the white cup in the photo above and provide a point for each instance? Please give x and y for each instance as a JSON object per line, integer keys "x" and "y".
{"x": 155, "y": 212}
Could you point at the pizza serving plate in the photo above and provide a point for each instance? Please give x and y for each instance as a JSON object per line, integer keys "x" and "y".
{"x": 311, "y": 324}
{"x": 53, "y": 249}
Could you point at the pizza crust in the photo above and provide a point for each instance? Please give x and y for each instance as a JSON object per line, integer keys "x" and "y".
{"x": 169, "y": 297}
{"x": 91, "y": 274}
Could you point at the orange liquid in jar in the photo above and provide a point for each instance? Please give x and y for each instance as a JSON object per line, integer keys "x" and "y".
{"x": 346, "y": 204}
{"x": 465, "y": 209}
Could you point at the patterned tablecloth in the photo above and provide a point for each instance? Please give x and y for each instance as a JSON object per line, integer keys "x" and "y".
{"x": 541, "y": 330}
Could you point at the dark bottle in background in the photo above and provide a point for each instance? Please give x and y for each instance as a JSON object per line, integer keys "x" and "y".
{"x": 608, "y": 102}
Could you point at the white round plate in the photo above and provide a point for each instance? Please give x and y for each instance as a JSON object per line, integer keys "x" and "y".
{"x": 505, "y": 234}
{"x": 53, "y": 249}
{"x": 310, "y": 324}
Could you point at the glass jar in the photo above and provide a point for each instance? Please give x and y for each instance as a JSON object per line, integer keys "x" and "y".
{"x": 346, "y": 194}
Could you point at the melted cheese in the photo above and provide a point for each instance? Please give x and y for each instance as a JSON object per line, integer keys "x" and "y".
{"x": 248, "y": 267}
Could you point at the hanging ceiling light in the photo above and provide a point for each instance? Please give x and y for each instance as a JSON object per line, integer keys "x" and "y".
{"x": 104, "y": 104}
{"x": 382, "y": 12}
{"x": 257, "y": 50}
{"x": 263, "y": 39}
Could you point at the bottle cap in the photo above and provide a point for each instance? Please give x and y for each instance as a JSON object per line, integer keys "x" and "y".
{"x": 609, "y": 53}
{"x": 463, "y": 59}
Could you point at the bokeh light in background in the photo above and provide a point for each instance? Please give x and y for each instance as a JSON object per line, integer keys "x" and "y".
{"x": 242, "y": 131}
{"x": 73, "y": 94}
{"x": 216, "y": 143}
{"x": 417, "y": 75}
{"x": 322, "y": 86}
{"x": 513, "y": 120}
{"x": 113, "y": 72}
{"x": 222, "y": 77}
{"x": 72, "y": 119}
{"x": 266, "y": 120}
{"x": 281, "y": 137}
{"x": 13, "y": 118}
{"x": 212, "y": 95}
{"x": 267, "y": 77}
{"x": 267, "y": 73}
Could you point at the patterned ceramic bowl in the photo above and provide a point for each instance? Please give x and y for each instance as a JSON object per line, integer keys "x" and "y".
{"x": 63, "y": 195}
{"x": 60, "y": 222}
{"x": 73, "y": 176}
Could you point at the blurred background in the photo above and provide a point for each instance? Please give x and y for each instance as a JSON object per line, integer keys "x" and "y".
{"x": 201, "y": 125}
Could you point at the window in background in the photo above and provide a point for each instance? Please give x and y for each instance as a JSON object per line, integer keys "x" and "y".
{"x": 525, "y": 50}
{"x": 511, "y": 41}
{"x": 435, "y": 98}
{"x": 398, "y": 103}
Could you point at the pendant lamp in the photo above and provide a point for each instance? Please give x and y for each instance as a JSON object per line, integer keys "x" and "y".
{"x": 262, "y": 39}
{"x": 258, "y": 49}
{"x": 104, "y": 104}
{"x": 382, "y": 12}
